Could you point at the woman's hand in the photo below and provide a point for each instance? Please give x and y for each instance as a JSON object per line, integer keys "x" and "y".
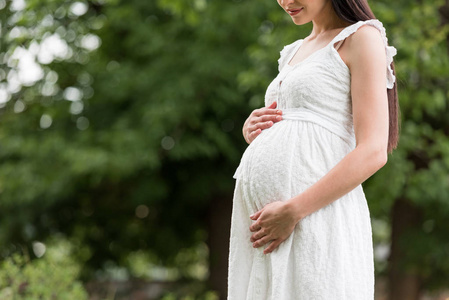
{"x": 274, "y": 223}
{"x": 259, "y": 120}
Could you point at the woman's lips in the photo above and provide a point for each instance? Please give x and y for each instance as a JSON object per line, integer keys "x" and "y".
{"x": 294, "y": 12}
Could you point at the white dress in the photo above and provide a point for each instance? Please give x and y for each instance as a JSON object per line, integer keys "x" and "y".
{"x": 329, "y": 255}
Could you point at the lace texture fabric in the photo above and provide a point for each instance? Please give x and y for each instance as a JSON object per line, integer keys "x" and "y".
{"x": 329, "y": 255}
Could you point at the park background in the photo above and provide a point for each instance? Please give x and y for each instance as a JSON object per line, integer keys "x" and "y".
{"x": 120, "y": 130}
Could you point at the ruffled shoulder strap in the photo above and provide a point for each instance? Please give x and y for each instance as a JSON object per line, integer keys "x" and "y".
{"x": 286, "y": 54}
{"x": 390, "y": 51}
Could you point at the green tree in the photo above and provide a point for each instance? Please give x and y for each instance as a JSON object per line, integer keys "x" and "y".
{"x": 115, "y": 147}
{"x": 412, "y": 190}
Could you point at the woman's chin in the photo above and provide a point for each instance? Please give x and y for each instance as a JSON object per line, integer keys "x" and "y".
{"x": 299, "y": 21}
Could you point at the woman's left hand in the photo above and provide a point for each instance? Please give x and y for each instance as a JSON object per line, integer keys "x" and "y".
{"x": 274, "y": 223}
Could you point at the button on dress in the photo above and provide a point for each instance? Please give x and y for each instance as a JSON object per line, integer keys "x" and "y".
{"x": 329, "y": 255}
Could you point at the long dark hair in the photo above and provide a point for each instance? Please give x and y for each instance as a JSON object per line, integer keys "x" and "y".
{"x": 353, "y": 11}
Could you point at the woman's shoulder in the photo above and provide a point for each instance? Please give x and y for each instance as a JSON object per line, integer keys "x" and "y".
{"x": 366, "y": 35}
{"x": 368, "y": 30}
{"x": 363, "y": 44}
{"x": 367, "y": 40}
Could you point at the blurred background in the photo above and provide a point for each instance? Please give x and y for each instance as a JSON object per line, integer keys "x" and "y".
{"x": 120, "y": 130}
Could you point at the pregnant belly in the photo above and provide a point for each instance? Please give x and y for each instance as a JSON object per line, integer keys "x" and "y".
{"x": 286, "y": 159}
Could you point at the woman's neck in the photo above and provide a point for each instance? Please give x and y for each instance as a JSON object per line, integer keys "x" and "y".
{"x": 326, "y": 21}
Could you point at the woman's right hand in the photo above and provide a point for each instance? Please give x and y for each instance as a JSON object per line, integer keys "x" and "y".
{"x": 259, "y": 120}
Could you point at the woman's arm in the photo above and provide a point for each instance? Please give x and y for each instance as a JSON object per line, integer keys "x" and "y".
{"x": 366, "y": 60}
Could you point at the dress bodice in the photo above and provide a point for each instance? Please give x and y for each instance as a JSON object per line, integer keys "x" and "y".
{"x": 313, "y": 94}
{"x": 321, "y": 83}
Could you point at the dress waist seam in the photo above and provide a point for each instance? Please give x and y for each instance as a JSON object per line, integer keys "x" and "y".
{"x": 307, "y": 115}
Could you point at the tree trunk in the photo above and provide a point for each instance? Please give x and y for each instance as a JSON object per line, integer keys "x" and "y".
{"x": 404, "y": 284}
{"x": 218, "y": 242}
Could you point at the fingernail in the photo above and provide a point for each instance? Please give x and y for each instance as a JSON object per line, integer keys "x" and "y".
{"x": 251, "y": 216}
{"x": 279, "y": 112}
{"x": 278, "y": 118}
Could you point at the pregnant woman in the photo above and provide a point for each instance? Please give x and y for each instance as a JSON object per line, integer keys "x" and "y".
{"x": 300, "y": 222}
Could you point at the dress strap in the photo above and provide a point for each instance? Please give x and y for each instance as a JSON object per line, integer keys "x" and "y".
{"x": 390, "y": 51}
{"x": 287, "y": 52}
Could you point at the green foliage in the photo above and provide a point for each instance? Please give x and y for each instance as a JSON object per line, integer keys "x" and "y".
{"x": 418, "y": 170}
{"x": 182, "y": 296}
{"x": 142, "y": 121}
{"x": 53, "y": 276}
